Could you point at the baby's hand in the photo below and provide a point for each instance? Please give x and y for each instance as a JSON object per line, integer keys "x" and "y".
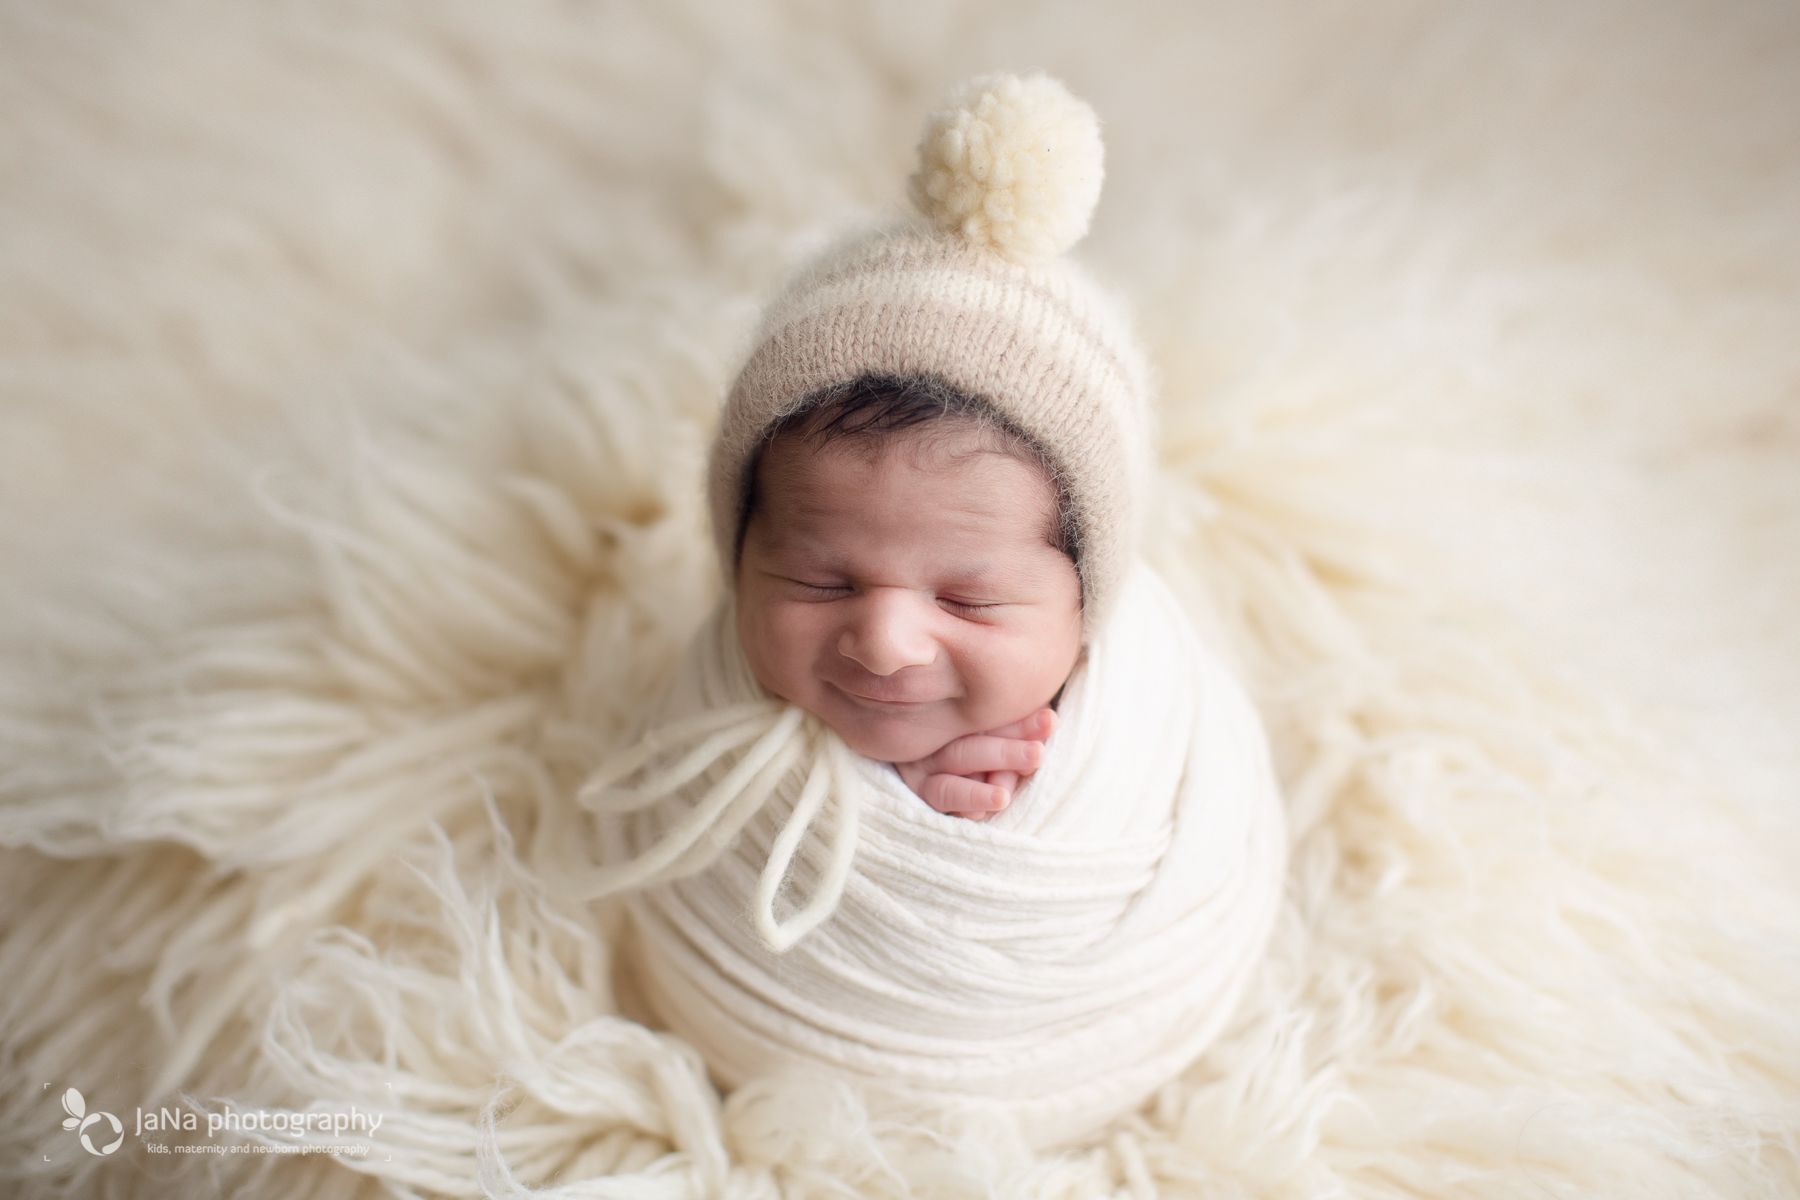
{"x": 975, "y": 775}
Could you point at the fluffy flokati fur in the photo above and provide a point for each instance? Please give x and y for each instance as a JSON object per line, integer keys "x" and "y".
{"x": 1013, "y": 165}
{"x": 360, "y": 363}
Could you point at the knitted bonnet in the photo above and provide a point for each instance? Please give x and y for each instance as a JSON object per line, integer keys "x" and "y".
{"x": 979, "y": 296}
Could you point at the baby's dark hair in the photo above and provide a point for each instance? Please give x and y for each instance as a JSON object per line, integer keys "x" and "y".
{"x": 873, "y": 408}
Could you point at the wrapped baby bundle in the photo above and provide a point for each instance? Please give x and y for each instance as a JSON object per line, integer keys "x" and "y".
{"x": 796, "y": 904}
{"x": 1060, "y": 960}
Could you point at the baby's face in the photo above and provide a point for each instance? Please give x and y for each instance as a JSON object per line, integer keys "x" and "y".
{"x": 906, "y": 594}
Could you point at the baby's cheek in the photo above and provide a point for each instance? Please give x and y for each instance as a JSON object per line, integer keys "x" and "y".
{"x": 1019, "y": 675}
{"x": 790, "y": 644}
{"x": 760, "y": 636}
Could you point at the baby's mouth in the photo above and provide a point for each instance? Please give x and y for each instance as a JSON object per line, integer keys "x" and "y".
{"x": 881, "y": 697}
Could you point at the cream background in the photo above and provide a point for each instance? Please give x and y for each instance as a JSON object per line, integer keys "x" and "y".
{"x": 1497, "y": 301}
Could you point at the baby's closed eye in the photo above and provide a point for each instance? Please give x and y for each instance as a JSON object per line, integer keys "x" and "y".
{"x": 968, "y": 607}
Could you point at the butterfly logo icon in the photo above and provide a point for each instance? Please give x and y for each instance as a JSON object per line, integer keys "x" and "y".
{"x": 81, "y": 1121}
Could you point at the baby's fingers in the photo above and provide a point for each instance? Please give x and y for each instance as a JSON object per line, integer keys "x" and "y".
{"x": 959, "y": 796}
{"x": 1036, "y": 728}
{"x": 980, "y": 752}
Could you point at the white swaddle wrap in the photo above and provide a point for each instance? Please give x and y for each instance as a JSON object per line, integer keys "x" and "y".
{"x": 1060, "y": 960}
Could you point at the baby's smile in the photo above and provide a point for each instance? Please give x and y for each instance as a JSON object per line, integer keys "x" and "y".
{"x": 878, "y": 694}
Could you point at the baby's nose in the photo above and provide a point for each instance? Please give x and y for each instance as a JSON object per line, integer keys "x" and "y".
{"x": 887, "y": 632}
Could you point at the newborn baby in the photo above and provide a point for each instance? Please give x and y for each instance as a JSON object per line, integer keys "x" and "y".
{"x": 925, "y": 492}
{"x": 906, "y": 577}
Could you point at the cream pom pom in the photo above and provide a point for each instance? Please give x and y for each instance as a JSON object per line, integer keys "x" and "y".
{"x": 1013, "y": 165}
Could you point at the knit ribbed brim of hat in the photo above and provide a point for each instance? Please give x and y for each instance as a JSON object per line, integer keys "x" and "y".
{"x": 978, "y": 294}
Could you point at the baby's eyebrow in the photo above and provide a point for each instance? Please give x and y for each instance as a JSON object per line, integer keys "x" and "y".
{"x": 795, "y": 552}
{"x": 979, "y": 576}
{"x": 975, "y": 570}
{"x": 797, "y": 541}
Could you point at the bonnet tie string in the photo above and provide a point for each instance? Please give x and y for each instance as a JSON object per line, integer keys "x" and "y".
{"x": 781, "y": 738}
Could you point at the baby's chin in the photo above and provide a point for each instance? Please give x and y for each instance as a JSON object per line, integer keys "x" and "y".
{"x": 892, "y": 739}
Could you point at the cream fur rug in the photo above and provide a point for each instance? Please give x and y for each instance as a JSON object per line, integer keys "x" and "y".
{"x": 357, "y": 364}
